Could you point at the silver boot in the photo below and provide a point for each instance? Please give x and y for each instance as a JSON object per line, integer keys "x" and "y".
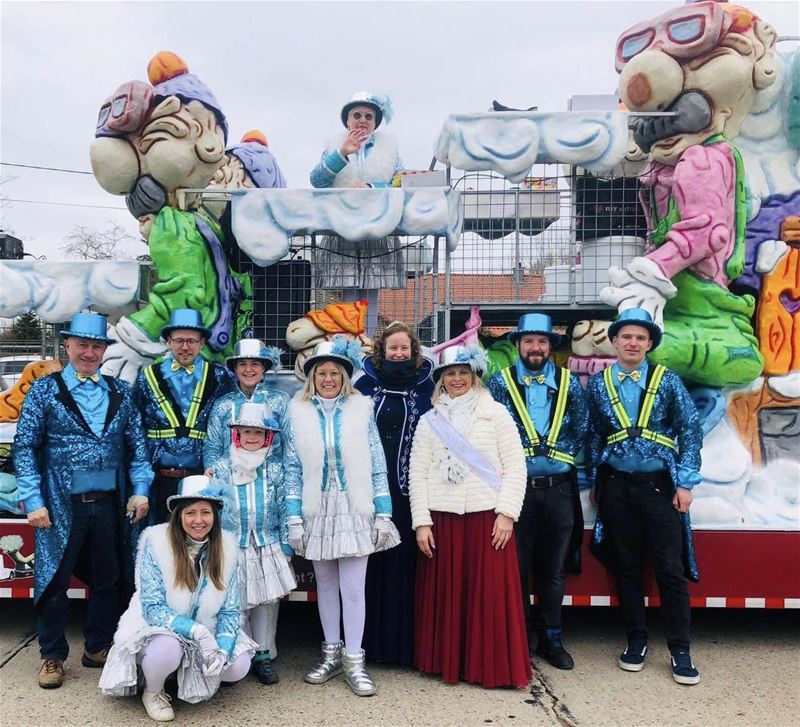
{"x": 356, "y": 676}
{"x": 329, "y": 667}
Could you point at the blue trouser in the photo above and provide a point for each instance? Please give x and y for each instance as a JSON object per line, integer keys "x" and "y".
{"x": 94, "y": 526}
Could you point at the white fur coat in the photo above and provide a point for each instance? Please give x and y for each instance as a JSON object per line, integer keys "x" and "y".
{"x": 378, "y": 164}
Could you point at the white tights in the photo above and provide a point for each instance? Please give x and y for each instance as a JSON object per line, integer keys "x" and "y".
{"x": 261, "y": 622}
{"x": 345, "y": 576}
{"x": 163, "y": 654}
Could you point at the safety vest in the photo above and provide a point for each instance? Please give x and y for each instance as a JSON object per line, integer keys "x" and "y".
{"x": 178, "y": 427}
{"x": 628, "y": 431}
{"x": 537, "y": 448}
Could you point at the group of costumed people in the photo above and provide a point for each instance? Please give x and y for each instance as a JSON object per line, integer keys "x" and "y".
{"x": 422, "y": 497}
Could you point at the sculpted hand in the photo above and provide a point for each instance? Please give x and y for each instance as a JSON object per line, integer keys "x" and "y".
{"x": 641, "y": 284}
{"x": 682, "y": 500}
{"x": 133, "y": 351}
{"x": 139, "y": 505}
{"x": 39, "y": 518}
{"x": 502, "y": 531}
{"x": 425, "y": 540}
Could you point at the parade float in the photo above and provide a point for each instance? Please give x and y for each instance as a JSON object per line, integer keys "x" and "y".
{"x": 683, "y": 199}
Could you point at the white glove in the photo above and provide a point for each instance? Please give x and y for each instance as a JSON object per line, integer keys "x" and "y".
{"x": 213, "y": 666}
{"x": 205, "y": 640}
{"x": 381, "y": 530}
{"x": 641, "y": 284}
{"x": 296, "y": 534}
{"x": 133, "y": 351}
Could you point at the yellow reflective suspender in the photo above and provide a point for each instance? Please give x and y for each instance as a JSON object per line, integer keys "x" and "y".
{"x": 525, "y": 417}
{"x": 169, "y": 413}
{"x": 628, "y": 431}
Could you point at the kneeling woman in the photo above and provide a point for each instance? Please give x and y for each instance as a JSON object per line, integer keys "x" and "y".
{"x": 467, "y": 483}
{"x": 184, "y": 615}
{"x": 338, "y": 502}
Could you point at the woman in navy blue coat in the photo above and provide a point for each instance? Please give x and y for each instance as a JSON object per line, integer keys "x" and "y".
{"x": 398, "y": 379}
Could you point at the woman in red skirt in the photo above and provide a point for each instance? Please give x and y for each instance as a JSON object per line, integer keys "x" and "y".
{"x": 466, "y": 485}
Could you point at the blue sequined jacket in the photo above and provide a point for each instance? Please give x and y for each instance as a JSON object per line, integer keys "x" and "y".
{"x": 575, "y": 426}
{"x": 153, "y": 417}
{"x": 218, "y": 434}
{"x": 674, "y": 415}
{"x": 53, "y": 441}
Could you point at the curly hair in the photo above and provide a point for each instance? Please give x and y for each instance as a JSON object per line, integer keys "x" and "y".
{"x": 379, "y": 344}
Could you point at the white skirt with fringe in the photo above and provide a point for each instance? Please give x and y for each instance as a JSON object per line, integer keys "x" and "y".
{"x": 336, "y": 532}
{"x": 264, "y": 574}
{"x": 122, "y": 676}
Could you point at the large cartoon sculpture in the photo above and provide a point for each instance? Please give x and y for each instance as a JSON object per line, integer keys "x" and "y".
{"x": 704, "y": 63}
{"x": 152, "y": 143}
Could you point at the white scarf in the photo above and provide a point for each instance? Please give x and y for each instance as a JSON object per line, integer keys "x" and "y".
{"x": 245, "y": 464}
{"x": 460, "y": 412}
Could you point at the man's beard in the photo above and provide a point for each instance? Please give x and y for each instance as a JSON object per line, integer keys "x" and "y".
{"x": 531, "y": 366}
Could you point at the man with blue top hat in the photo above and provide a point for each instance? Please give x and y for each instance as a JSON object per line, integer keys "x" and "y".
{"x": 644, "y": 457}
{"x": 81, "y": 462}
{"x": 549, "y": 407}
{"x": 175, "y": 396}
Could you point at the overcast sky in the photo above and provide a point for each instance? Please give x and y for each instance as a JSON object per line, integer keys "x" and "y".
{"x": 286, "y": 68}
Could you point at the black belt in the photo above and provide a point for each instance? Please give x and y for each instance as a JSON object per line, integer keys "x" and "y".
{"x": 177, "y": 473}
{"x": 92, "y": 496}
{"x": 541, "y": 483}
{"x": 640, "y": 478}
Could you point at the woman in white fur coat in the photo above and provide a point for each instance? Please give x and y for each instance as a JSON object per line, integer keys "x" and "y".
{"x": 184, "y": 615}
{"x": 338, "y": 502}
{"x": 466, "y": 486}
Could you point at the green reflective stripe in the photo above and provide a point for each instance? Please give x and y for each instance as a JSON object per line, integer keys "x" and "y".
{"x": 645, "y": 411}
{"x": 525, "y": 417}
{"x": 197, "y": 397}
{"x": 171, "y": 434}
{"x": 561, "y": 408}
{"x": 158, "y": 395}
{"x": 522, "y": 409}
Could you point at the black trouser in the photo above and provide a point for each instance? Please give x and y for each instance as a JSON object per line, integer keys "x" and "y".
{"x": 639, "y": 517}
{"x": 543, "y": 534}
{"x": 94, "y": 524}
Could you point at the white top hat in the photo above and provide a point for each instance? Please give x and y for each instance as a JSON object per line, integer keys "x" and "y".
{"x": 340, "y": 349}
{"x": 196, "y": 487}
{"x": 471, "y": 356}
{"x": 255, "y": 414}
{"x": 253, "y": 348}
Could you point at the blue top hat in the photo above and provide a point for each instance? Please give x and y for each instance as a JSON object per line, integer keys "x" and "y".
{"x": 185, "y": 318}
{"x": 539, "y": 323}
{"x": 88, "y": 325}
{"x": 636, "y": 317}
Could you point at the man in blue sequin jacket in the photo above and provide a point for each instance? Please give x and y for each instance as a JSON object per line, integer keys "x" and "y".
{"x": 644, "y": 455}
{"x": 81, "y": 461}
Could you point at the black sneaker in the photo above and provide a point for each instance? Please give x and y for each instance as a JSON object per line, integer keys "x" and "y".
{"x": 554, "y": 652}
{"x": 683, "y": 670}
{"x": 264, "y": 671}
{"x": 632, "y": 659}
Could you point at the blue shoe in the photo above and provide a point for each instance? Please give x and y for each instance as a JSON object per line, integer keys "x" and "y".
{"x": 683, "y": 670}
{"x": 632, "y": 659}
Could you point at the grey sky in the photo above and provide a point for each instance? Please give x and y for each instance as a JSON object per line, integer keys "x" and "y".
{"x": 286, "y": 68}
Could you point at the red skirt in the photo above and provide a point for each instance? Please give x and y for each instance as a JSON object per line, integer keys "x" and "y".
{"x": 468, "y": 606}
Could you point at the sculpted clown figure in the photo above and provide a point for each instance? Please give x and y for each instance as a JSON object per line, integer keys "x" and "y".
{"x": 152, "y": 143}
{"x": 703, "y": 62}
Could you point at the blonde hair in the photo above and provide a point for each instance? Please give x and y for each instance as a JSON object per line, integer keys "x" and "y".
{"x": 438, "y": 390}
{"x": 309, "y": 391}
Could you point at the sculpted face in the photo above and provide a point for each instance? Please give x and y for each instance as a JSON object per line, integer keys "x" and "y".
{"x": 85, "y": 354}
{"x": 701, "y": 61}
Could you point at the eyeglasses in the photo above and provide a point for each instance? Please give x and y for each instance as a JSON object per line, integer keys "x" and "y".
{"x": 327, "y": 374}
{"x": 368, "y": 115}
{"x": 186, "y": 341}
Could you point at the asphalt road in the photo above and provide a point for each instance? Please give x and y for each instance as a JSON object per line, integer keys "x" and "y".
{"x": 749, "y": 661}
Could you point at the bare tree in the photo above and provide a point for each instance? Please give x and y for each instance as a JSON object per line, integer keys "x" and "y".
{"x": 4, "y": 203}
{"x": 85, "y": 243}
